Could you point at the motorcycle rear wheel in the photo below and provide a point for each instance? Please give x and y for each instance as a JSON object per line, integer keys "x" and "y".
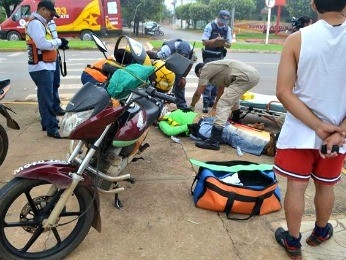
{"x": 3, "y": 144}
{"x": 24, "y": 204}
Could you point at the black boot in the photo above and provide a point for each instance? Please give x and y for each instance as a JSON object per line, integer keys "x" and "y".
{"x": 213, "y": 143}
{"x": 205, "y": 107}
{"x": 236, "y": 116}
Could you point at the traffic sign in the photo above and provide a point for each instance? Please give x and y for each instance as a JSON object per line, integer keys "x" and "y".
{"x": 270, "y": 3}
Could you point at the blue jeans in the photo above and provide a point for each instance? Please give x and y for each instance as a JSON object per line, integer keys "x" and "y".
{"x": 44, "y": 79}
{"x": 209, "y": 95}
{"x": 234, "y": 137}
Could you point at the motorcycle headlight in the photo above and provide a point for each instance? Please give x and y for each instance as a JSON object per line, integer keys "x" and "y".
{"x": 71, "y": 120}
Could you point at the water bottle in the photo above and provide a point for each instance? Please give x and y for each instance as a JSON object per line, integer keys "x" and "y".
{"x": 239, "y": 152}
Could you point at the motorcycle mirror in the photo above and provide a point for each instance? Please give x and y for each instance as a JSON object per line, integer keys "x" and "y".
{"x": 100, "y": 44}
{"x": 178, "y": 63}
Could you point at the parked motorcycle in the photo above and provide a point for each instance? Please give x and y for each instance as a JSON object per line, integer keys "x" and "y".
{"x": 47, "y": 209}
{"x": 155, "y": 30}
{"x": 4, "y": 88}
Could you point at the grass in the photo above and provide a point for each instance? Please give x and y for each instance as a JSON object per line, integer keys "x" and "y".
{"x": 240, "y": 45}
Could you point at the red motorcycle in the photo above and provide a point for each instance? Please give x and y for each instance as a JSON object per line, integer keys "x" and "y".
{"x": 47, "y": 209}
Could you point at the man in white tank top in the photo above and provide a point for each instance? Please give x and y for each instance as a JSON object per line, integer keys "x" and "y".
{"x": 311, "y": 84}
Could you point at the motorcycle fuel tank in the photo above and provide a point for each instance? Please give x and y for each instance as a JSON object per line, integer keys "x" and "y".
{"x": 132, "y": 129}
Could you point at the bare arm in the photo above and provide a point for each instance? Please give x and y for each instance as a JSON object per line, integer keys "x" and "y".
{"x": 197, "y": 95}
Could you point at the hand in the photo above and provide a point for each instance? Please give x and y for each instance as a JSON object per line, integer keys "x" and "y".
{"x": 182, "y": 82}
{"x": 212, "y": 112}
{"x": 186, "y": 109}
{"x": 64, "y": 44}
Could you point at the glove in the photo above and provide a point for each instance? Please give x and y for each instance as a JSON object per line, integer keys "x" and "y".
{"x": 193, "y": 129}
{"x": 64, "y": 44}
{"x": 186, "y": 110}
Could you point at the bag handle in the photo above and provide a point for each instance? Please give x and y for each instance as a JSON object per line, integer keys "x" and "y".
{"x": 255, "y": 211}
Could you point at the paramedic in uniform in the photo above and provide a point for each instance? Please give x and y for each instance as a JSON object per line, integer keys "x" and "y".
{"x": 185, "y": 49}
{"x": 232, "y": 79}
{"x": 42, "y": 55}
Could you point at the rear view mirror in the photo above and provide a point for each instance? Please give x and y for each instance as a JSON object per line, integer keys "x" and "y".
{"x": 178, "y": 64}
{"x": 100, "y": 44}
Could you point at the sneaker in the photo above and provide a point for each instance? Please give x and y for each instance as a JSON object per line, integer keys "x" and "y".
{"x": 315, "y": 240}
{"x": 291, "y": 245}
{"x": 205, "y": 109}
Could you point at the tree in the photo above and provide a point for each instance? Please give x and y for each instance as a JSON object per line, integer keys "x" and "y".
{"x": 142, "y": 10}
{"x": 243, "y": 8}
{"x": 300, "y": 7}
{"x": 183, "y": 12}
{"x": 200, "y": 12}
{"x": 8, "y": 4}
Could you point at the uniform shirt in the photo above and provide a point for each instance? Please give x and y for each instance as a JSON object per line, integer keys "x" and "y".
{"x": 165, "y": 51}
{"x": 208, "y": 28}
{"x": 221, "y": 73}
{"x": 320, "y": 84}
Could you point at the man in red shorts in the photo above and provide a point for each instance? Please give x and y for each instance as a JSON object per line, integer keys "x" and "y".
{"x": 311, "y": 86}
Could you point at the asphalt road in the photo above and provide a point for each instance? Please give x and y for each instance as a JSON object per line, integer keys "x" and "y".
{"x": 13, "y": 66}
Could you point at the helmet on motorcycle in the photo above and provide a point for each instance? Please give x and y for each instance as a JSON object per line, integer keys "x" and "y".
{"x": 163, "y": 78}
{"x": 124, "y": 57}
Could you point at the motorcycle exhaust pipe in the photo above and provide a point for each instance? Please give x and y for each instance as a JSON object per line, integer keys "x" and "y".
{"x": 103, "y": 175}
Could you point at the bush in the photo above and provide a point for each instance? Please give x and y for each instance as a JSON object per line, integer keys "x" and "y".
{"x": 2, "y": 14}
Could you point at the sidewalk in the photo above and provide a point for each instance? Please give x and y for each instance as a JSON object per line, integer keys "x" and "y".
{"x": 159, "y": 219}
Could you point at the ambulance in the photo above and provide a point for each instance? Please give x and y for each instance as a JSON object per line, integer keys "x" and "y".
{"x": 77, "y": 18}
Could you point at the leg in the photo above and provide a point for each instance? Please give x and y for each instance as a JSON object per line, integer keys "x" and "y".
{"x": 294, "y": 204}
{"x": 44, "y": 82}
{"x": 213, "y": 94}
{"x": 179, "y": 92}
{"x": 206, "y": 98}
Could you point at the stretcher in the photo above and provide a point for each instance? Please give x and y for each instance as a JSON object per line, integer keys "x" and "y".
{"x": 267, "y": 106}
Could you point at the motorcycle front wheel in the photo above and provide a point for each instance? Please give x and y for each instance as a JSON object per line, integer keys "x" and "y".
{"x": 161, "y": 33}
{"x": 3, "y": 144}
{"x": 25, "y": 204}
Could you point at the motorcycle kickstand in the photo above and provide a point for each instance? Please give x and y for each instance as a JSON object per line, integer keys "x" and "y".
{"x": 117, "y": 202}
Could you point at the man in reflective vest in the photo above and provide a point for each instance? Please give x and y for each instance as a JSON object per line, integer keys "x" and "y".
{"x": 42, "y": 56}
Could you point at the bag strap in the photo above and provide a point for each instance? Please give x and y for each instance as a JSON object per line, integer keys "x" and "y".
{"x": 255, "y": 211}
{"x": 231, "y": 197}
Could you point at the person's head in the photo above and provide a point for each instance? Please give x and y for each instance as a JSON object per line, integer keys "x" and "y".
{"x": 47, "y": 10}
{"x": 224, "y": 17}
{"x": 198, "y": 68}
{"x": 323, "y": 6}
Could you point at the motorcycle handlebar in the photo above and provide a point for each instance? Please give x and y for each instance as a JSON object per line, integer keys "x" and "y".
{"x": 153, "y": 92}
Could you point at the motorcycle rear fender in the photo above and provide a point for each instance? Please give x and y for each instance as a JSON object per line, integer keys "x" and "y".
{"x": 57, "y": 173}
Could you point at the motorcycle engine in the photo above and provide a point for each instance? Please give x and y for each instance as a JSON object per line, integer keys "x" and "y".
{"x": 114, "y": 160}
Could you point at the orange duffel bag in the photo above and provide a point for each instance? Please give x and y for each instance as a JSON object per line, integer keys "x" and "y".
{"x": 240, "y": 187}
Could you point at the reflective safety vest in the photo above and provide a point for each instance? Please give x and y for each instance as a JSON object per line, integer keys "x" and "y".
{"x": 216, "y": 32}
{"x": 96, "y": 72}
{"x": 34, "y": 54}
